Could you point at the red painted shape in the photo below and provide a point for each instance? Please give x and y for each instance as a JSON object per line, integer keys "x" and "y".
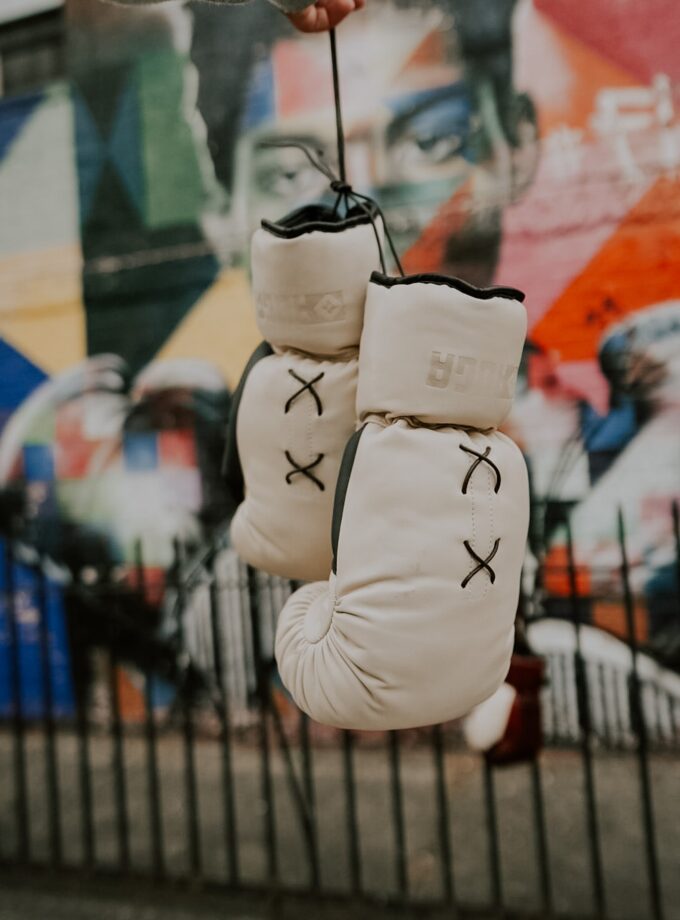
{"x": 177, "y": 448}
{"x": 154, "y": 583}
{"x": 72, "y": 450}
{"x": 302, "y": 84}
{"x": 641, "y": 37}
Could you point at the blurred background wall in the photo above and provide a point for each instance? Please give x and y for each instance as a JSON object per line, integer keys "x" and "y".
{"x": 534, "y": 143}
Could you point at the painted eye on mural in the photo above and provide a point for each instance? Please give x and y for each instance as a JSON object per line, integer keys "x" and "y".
{"x": 285, "y": 172}
{"x": 432, "y": 129}
{"x": 285, "y": 181}
{"x": 413, "y": 149}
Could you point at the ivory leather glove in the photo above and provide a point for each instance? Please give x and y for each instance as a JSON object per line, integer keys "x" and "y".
{"x": 295, "y": 406}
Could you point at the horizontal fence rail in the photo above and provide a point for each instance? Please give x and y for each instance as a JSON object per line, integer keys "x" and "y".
{"x": 214, "y": 774}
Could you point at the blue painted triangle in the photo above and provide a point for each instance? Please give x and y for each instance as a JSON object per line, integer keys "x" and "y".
{"x": 19, "y": 377}
{"x": 14, "y": 113}
{"x": 260, "y": 102}
{"x": 90, "y": 154}
{"x": 125, "y": 145}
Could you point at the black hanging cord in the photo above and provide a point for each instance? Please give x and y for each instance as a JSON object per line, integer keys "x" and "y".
{"x": 338, "y": 110}
{"x": 359, "y": 199}
{"x": 346, "y": 195}
{"x": 340, "y": 185}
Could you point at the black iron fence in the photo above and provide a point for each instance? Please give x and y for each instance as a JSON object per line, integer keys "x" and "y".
{"x": 211, "y": 774}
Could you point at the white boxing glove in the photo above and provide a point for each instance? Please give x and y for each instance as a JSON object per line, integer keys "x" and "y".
{"x": 295, "y": 405}
{"x": 430, "y": 520}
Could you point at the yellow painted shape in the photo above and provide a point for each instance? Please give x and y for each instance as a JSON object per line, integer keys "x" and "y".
{"x": 220, "y": 328}
{"x": 41, "y": 307}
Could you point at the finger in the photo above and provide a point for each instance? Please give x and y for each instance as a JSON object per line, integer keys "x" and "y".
{"x": 339, "y": 9}
{"x": 324, "y": 15}
{"x": 311, "y": 19}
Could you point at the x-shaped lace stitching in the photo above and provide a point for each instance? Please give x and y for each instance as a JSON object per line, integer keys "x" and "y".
{"x": 304, "y": 470}
{"x": 307, "y": 385}
{"x": 482, "y": 563}
{"x": 481, "y": 458}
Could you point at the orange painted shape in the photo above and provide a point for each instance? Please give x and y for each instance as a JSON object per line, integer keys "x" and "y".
{"x": 428, "y": 252}
{"x": 611, "y": 616}
{"x": 431, "y": 50}
{"x": 638, "y": 266}
{"x": 557, "y": 579}
{"x": 130, "y": 698}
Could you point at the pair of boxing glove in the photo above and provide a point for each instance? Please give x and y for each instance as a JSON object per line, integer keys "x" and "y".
{"x": 364, "y": 445}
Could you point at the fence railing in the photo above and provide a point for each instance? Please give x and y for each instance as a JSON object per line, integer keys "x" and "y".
{"x": 216, "y": 776}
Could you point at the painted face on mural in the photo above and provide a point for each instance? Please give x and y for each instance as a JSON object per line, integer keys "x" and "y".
{"x": 640, "y": 357}
{"x": 434, "y": 131}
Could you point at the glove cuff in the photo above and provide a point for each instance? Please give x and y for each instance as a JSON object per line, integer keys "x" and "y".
{"x": 439, "y": 350}
{"x": 309, "y": 278}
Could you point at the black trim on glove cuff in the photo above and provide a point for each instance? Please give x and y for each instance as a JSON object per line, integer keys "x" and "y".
{"x": 389, "y": 281}
{"x": 319, "y": 217}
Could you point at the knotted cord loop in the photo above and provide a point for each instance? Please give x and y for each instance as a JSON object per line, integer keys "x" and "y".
{"x": 347, "y": 196}
{"x": 341, "y": 187}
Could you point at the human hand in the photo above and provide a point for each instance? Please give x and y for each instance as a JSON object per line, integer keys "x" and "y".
{"x": 324, "y": 15}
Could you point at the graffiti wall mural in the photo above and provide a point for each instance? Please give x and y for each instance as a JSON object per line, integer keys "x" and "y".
{"x": 533, "y": 143}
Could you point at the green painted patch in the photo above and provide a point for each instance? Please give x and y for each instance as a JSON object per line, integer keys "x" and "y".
{"x": 174, "y": 186}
